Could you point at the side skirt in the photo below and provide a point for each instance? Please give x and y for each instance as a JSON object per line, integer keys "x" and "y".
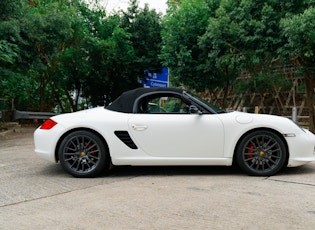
{"x": 172, "y": 161}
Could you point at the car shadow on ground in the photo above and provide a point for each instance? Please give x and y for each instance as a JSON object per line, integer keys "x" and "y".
{"x": 121, "y": 171}
{"x": 56, "y": 170}
{"x": 53, "y": 170}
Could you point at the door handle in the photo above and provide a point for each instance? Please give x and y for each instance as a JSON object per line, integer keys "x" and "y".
{"x": 139, "y": 127}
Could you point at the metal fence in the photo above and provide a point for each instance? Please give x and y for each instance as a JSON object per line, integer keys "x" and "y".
{"x": 18, "y": 115}
{"x": 294, "y": 117}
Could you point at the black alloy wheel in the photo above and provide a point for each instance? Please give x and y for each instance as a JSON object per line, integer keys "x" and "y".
{"x": 83, "y": 154}
{"x": 261, "y": 153}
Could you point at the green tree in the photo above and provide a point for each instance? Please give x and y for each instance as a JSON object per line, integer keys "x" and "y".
{"x": 299, "y": 32}
{"x": 9, "y": 33}
{"x": 109, "y": 54}
{"x": 221, "y": 51}
{"x": 47, "y": 29}
{"x": 183, "y": 24}
{"x": 10, "y": 9}
{"x": 9, "y": 49}
{"x": 112, "y": 60}
{"x": 144, "y": 26}
{"x": 207, "y": 43}
{"x": 52, "y": 50}
{"x": 241, "y": 35}
{"x": 70, "y": 74}
{"x": 110, "y": 57}
{"x": 98, "y": 65}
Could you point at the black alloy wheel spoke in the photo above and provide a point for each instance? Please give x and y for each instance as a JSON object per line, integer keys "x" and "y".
{"x": 89, "y": 148}
{"x": 262, "y": 153}
{"x": 81, "y": 154}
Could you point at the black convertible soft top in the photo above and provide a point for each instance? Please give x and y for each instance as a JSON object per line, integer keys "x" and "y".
{"x": 125, "y": 102}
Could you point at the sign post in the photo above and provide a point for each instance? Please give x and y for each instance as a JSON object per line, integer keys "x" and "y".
{"x": 154, "y": 80}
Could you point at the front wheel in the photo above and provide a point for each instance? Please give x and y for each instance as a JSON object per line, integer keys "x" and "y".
{"x": 83, "y": 154}
{"x": 261, "y": 153}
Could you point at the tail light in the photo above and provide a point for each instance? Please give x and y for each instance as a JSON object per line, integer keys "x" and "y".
{"x": 48, "y": 124}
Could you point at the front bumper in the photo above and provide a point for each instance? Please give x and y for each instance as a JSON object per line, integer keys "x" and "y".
{"x": 301, "y": 149}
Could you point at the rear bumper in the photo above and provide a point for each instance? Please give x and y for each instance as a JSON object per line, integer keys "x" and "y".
{"x": 46, "y": 141}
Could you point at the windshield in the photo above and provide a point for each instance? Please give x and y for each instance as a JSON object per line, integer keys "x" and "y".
{"x": 205, "y": 103}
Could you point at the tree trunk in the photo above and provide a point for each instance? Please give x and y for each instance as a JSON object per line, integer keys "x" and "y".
{"x": 42, "y": 96}
{"x": 226, "y": 91}
{"x": 309, "y": 81}
{"x": 71, "y": 102}
{"x": 57, "y": 98}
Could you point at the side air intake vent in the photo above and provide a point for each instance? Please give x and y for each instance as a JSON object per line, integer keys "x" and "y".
{"x": 124, "y": 137}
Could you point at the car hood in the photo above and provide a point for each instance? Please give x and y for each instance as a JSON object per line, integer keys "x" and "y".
{"x": 251, "y": 120}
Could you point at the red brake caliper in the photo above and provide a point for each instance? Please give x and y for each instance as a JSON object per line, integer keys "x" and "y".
{"x": 92, "y": 150}
{"x": 251, "y": 149}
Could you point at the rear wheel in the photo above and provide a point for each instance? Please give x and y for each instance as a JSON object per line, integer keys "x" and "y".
{"x": 261, "y": 153}
{"x": 83, "y": 154}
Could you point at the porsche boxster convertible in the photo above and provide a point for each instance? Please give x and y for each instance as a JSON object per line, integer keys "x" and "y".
{"x": 164, "y": 126}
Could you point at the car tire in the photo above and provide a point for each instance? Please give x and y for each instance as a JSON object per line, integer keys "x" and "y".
{"x": 261, "y": 153}
{"x": 83, "y": 154}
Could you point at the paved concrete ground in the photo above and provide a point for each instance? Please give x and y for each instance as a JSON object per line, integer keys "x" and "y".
{"x": 36, "y": 194}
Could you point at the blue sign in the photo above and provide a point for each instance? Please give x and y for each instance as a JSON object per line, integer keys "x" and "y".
{"x": 154, "y": 80}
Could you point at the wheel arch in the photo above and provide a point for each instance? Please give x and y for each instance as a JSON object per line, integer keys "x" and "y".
{"x": 262, "y": 129}
{"x": 80, "y": 129}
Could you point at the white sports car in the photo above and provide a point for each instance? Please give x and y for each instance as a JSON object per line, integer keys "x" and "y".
{"x": 163, "y": 126}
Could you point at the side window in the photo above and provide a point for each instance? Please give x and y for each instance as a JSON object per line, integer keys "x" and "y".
{"x": 163, "y": 104}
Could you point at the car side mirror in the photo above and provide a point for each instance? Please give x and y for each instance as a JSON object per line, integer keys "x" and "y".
{"x": 194, "y": 110}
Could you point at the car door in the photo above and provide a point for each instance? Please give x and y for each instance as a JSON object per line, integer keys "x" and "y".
{"x": 165, "y": 132}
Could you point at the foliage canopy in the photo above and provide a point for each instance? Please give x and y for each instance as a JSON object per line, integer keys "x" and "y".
{"x": 56, "y": 52}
